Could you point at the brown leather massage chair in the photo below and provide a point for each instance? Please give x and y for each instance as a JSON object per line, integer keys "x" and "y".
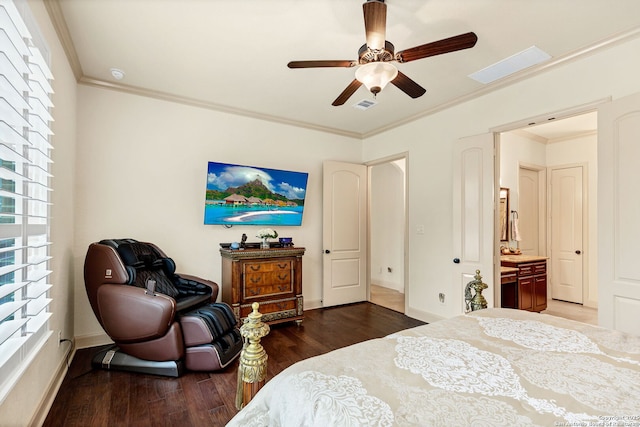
{"x": 161, "y": 323}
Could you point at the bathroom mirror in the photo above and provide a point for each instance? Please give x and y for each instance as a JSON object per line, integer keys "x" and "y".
{"x": 504, "y": 214}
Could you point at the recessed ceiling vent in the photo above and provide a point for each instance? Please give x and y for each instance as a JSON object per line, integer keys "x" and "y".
{"x": 365, "y": 104}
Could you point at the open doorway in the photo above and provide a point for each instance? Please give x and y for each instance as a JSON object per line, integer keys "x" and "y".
{"x": 387, "y": 233}
{"x": 551, "y": 172}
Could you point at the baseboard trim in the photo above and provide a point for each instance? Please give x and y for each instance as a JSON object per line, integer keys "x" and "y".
{"x": 389, "y": 285}
{"x": 312, "y": 304}
{"x": 94, "y": 340}
{"x": 422, "y": 315}
{"x": 54, "y": 386}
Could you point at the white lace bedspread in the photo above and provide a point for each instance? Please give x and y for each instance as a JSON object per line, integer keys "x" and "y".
{"x": 494, "y": 367}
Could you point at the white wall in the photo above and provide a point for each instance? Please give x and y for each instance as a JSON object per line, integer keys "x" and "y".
{"x": 143, "y": 165}
{"x": 429, "y": 141}
{"x": 36, "y": 386}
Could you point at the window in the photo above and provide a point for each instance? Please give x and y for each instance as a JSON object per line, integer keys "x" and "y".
{"x": 25, "y": 106}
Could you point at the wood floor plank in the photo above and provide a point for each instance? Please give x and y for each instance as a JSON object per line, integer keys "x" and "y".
{"x": 96, "y": 397}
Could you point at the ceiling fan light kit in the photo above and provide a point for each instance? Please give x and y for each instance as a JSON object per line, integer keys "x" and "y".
{"x": 376, "y": 75}
{"x": 373, "y": 65}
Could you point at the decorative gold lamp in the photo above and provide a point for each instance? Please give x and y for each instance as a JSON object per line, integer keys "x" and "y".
{"x": 252, "y": 372}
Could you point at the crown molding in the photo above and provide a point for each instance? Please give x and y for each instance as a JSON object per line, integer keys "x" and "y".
{"x": 165, "y": 96}
{"x": 62, "y": 30}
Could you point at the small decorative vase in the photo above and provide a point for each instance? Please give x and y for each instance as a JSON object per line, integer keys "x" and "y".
{"x": 264, "y": 244}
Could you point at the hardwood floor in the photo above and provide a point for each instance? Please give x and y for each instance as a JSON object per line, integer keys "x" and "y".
{"x": 97, "y": 397}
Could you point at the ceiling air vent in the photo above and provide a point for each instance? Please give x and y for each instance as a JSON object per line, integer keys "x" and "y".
{"x": 365, "y": 104}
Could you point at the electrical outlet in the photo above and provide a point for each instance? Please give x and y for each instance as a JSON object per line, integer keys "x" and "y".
{"x": 441, "y": 297}
{"x": 59, "y": 338}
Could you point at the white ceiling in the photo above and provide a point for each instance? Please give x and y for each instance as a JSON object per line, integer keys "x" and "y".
{"x": 231, "y": 55}
{"x": 556, "y": 130}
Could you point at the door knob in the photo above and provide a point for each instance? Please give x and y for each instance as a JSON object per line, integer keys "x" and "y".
{"x": 578, "y": 252}
{"x": 327, "y": 251}
{"x": 456, "y": 260}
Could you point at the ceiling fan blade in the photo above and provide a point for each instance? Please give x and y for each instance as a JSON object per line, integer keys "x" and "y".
{"x": 462, "y": 41}
{"x": 322, "y": 63}
{"x": 375, "y": 23}
{"x": 346, "y": 94}
{"x": 408, "y": 86}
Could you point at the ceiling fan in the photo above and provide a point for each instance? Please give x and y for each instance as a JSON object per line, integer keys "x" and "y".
{"x": 375, "y": 56}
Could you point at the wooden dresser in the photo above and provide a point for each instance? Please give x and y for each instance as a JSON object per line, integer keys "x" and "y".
{"x": 271, "y": 277}
{"x": 529, "y": 290}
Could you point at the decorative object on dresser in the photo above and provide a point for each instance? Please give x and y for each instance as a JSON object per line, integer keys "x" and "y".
{"x": 265, "y": 234}
{"x": 271, "y": 277}
{"x": 529, "y": 289}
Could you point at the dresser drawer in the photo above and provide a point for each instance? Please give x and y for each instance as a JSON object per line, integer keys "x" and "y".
{"x": 267, "y": 266}
{"x": 273, "y": 277}
{"x": 263, "y": 288}
{"x": 268, "y": 278}
{"x": 271, "y": 310}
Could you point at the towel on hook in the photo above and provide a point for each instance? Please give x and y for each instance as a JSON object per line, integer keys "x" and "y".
{"x": 515, "y": 230}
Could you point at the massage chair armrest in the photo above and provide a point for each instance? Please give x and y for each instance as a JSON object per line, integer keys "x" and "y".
{"x": 189, "y": 283}
{"x": 130, "y": 314}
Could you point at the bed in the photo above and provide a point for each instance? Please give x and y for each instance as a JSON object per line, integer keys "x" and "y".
{"x": 492, "y": 367}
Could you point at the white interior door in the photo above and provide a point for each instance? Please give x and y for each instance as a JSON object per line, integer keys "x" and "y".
{"x": 474, "y": 205}
{"x": 618, "y": 213}
{"x": 567, "y": 234}
{"x": 344, "y": 233}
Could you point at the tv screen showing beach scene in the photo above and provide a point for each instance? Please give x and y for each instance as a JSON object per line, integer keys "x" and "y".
{"x": 249, "y": 195}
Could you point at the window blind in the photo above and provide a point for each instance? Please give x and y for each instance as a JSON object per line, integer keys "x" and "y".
{"x": 25, "y": 148}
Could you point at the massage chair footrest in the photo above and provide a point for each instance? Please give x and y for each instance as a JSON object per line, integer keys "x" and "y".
{"x": 211, "y": 337}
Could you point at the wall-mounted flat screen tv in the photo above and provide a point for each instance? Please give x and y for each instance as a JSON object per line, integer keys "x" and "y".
{"x": 249, "y": 195}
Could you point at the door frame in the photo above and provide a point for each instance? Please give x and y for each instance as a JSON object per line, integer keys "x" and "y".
{"x": 523, "y": 124}
{"x": 388, "y": 159}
